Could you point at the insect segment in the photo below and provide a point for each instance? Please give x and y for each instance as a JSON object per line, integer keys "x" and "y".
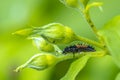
{"x": 78, "y": 48}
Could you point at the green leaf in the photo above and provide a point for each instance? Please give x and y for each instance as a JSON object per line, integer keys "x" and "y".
{"x": 76, "y": 67}
{"x": 84, "y": 2}
{"x": 111, "y": 36}
{"x": 118, "y": 77}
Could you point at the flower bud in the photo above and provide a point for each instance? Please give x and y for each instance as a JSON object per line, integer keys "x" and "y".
{"x": 24, "y": 32}
{"x": 42, "y": 44}
{"x": 39, "y": 62}
{"x": 71, "y": 3}
{"x": 56, "y": 33}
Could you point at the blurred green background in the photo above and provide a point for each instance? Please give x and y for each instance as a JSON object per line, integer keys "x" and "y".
{"x": 15, "y": 50}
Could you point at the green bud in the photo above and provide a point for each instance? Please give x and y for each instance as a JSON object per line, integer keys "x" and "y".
{"x": 42, "y": 44}
{"x": 24, "y": 32}
{"x": 39, "y": 62}
{"x": 71, "y": 3}
{"x": 56, "y": 33}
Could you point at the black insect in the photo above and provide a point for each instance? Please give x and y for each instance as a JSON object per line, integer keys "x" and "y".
{"x": 78, "y": 48}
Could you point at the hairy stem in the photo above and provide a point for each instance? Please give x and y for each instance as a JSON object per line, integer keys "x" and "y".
{"x": 86, "y": 16}
{"x": 71, "y": 56}
{"x": 97, "y": 44}
{"x": 88, "y": 19}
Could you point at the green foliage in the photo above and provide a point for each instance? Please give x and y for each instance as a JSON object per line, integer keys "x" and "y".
{"x": 76, "y": 67}
{"x": 118, "y": 77}
{"x": 15, "y": 50}
{"x": 47, "y": 37}
{"x": 111, "y": 35}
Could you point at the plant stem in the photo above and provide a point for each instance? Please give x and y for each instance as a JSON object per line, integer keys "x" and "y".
{"x": 78, "y": 55}
{"x": 100, "y": 45}
{"x": 65, "y": 57}
{"x": 86, "y": 16}
{"x": 88, "y": 19}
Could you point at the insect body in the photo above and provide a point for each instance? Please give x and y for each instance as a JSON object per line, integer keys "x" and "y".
{"x": 78, "y": 48}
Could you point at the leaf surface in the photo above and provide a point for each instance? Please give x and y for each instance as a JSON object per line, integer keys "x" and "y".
{"x": 111, "y": 36}
{"x": 118, "y": 77}
{"x": 76, "y": 67}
